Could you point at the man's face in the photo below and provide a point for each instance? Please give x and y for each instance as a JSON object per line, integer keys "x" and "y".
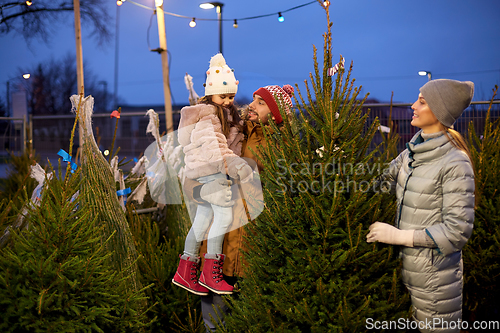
{"x": 259, "y": 110}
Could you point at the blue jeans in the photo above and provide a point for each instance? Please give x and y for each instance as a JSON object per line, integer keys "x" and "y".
{"x": 222, "y": 219}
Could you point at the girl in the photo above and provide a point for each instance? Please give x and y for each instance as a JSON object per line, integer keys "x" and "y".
{"x": 434, "y": 181}
{"x": 211, "y": 134}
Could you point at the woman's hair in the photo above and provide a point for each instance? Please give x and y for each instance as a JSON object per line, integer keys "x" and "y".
{"x": 458, "y": 141}
{"x": 225, "y": 124}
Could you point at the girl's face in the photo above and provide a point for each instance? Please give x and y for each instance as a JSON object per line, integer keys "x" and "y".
{"x": 224, "y": 100}
{"x": 423, "y": 117}
{"x": 259, "y": 110}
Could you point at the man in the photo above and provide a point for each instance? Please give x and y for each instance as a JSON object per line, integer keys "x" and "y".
{"x": 263, "y": 109}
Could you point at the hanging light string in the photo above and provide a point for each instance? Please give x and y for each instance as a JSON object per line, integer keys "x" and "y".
{"x": 191, "y": 18}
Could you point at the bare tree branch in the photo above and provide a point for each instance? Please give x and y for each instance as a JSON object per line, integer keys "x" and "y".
{"x": 43, "y": 18}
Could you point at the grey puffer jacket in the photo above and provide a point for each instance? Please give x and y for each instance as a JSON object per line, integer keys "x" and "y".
{"x": 434, "y": 183}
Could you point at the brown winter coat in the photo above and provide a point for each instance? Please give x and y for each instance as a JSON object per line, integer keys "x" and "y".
{"x": 234, "y": 240}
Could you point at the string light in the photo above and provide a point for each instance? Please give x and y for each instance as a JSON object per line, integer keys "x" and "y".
{"x": 192, "y": 24}
{"x": 326, "y": 3}
{"x": 211, "y": 5}
{"x": 29, "y": 3}
{"x": 119, "y": 2}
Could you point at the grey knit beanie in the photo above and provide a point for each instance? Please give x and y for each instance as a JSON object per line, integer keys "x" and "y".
{"x": 447, "y": 99}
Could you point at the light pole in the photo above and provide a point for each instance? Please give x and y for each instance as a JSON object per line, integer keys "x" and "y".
{"x": 160, "y": 17}
{"x": 218, "y": 8}
{"x": 424, "y": 73}
{"x": 117, "y": 39}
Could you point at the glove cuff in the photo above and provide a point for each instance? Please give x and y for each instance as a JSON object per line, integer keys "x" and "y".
{"x": 406, "y": 237}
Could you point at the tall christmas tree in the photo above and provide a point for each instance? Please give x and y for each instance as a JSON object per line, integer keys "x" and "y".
{"x": 99, "y": 196}
{"x": 482, "y": 251}
{"x": 309, "y": 266}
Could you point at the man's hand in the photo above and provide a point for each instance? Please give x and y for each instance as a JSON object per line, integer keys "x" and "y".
{"x": 252, "y": 193}
{"x": 217, "y": 193}
{"x": 386, "y": 233}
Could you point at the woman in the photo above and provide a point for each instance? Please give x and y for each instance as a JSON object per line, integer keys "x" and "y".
{"x": 434, "y": 182}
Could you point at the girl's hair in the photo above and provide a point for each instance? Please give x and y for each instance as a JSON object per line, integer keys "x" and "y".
{"x": 225, "y": 124}
{"x": 458, "y": 141}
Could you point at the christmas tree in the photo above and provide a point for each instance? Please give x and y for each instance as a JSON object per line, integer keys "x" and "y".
{"x": 171, "y": 309}
{"x": 55, "y": 274}
{"x": 309, "y": 267}
{"x": 99, "y": 196}
{"x": 482, "y": 252}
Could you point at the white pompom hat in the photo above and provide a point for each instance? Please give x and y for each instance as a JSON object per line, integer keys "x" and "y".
{"x": 220, "y": 78}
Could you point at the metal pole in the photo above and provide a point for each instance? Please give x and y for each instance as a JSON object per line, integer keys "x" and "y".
{"x": 30, "y": 132}
{"x": 24, "y": 130}
{"x": 8, "y": 99}
{"x": 117, "y": 32}
{"x": 160, "y": 14}
{"x": 219, "y": 18}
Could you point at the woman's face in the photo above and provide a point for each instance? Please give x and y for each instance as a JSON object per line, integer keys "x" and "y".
{"x": 224, "y": 100}
{"x": 423, "y": 117}
{"x": 259, "y": 110}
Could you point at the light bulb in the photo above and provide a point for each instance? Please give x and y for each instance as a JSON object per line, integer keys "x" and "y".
{"x": 206, "y": 5}
{"x": 119, "y": 2}
{"x": 235, "y": 24}
{"x": 29, "y": 3}
{"x": 26, "y": 76}
{"x": 280, "y": 18}
{"x": 192, "y": 24}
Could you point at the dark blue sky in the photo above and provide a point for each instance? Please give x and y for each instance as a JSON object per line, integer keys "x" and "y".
{"x": 389, "y": 41}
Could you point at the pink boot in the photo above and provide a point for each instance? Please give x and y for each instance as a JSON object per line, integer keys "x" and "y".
{"x": 187, "y": 276}
{"x": 211, "y": 276}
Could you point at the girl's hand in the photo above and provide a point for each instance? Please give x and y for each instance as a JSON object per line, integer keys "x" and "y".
{"x": 218, "y": 193}
{"x": 245, "y": 173}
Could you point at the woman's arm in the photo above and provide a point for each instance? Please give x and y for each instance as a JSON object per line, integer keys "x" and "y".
{"x": 390, "y": 175}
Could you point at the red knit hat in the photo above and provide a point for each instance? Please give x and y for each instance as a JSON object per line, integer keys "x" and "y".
{"x": 272, "y": 94}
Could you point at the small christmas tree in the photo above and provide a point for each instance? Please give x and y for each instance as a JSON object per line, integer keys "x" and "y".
{"x": 482, "y": 252}
{"x": 309, "y": 266}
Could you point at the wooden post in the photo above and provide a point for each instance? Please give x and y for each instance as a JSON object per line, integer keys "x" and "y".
{"x": 79, "y": 62}
{"x": 164, "y": 64}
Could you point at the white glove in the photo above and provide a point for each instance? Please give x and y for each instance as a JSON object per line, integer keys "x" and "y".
{"x": 386, "y": 233}
{"x": 218, "y": 192}
{"x": 245, "y": 173}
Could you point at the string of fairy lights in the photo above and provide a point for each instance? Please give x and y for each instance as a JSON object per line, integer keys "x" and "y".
{"x": 218, "y": 5}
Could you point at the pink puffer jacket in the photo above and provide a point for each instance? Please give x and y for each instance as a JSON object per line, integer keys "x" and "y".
{"x": 207, "y": 150}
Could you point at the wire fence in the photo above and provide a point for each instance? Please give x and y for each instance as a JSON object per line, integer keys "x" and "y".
{"x": 400, "y": 115}
{"x": 52, "y": 133}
